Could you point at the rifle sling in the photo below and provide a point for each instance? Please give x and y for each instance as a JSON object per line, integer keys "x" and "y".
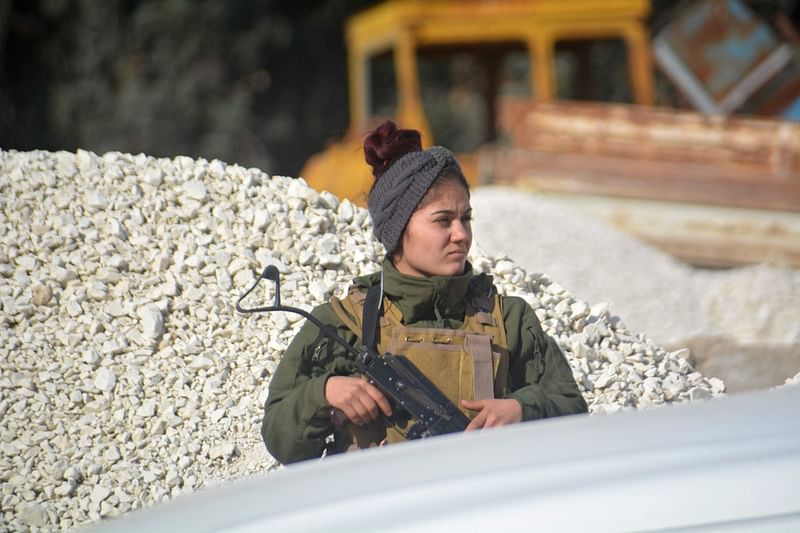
{"x": 370, "y": 317}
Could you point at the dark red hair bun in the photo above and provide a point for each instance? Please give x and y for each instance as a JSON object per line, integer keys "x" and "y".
{"x": 385, "y": 144}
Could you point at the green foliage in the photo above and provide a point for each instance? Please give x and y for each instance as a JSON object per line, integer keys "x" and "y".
{"x": 165, "y": 77}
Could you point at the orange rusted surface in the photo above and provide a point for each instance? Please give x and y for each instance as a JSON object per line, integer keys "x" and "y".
{"x": 650, "y": 153}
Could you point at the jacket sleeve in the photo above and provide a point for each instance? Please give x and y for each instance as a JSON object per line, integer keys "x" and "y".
{"x": 540, "y": 377}
{"x": 296, "y": 415}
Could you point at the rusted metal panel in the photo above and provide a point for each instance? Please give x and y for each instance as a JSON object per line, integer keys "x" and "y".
{"x": 781, "y": 96}
{"x": 573, "y": 173}
{"x": 770, "y": 148}
{"x": 719, "y": 54}
{"x": 638, "y": 152}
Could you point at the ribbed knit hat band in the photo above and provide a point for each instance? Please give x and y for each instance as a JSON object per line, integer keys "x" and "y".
{"x": 398, "y": 192}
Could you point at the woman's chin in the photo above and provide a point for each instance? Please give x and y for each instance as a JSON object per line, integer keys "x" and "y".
{"x": 452, "y": 265}
{"x": 453, "y": 268}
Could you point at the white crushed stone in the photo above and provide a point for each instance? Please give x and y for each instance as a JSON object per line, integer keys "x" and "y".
{"x": 670, "y": 301}
{"x": 106, "y": 410}
{"x": 794, "y": 380}
{"x": 152, "y": 321}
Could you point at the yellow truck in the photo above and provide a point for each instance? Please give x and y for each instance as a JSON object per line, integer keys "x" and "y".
{"x": 713, "y": 190}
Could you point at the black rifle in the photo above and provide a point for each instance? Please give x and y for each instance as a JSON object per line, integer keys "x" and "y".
{"x": 402, "y": 383}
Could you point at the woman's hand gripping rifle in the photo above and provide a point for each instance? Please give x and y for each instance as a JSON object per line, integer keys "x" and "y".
{"x": 406, "y": 388}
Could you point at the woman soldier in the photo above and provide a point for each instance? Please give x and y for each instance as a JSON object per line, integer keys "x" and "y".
{"x": 486, "y": 353}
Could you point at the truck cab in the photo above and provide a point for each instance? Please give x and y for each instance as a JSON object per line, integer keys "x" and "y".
{"x": 474, "y": 53}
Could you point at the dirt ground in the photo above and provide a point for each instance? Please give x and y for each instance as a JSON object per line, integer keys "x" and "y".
{"x": 744, "y": 367}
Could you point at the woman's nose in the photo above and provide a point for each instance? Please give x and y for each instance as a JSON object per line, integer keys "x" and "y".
{"x": 460, "y": 232}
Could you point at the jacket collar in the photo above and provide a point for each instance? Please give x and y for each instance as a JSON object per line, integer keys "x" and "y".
{"x": 423, "y": 298}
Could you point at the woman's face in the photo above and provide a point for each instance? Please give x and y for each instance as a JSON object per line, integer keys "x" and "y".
{"x": 438, "y": 235}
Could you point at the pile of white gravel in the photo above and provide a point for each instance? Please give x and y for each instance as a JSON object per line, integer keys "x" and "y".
{"x": 126, "y": 376}
{"x": 668, "y": 300}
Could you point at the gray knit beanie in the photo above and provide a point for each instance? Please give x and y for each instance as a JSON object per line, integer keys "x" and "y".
{"x": 398, "y": 192}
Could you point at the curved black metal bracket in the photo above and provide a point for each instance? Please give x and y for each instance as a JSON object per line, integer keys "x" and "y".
{"x": 271, "y": 273}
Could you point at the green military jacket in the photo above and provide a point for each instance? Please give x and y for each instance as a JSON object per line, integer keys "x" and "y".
{"x": 297, "y": 416}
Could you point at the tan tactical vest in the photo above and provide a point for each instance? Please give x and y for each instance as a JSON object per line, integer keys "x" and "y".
{"x": 470, "y": 363}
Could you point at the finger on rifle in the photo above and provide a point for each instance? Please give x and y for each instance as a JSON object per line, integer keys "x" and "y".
{"x": 371, "y": 406}
{"x": 492, "y": 422}
{"x": 359, "y": 418}
{"x": 364, "y": 410}
{"x": 474, "y": 405}
{"x": 477, "y": 422}
{"x": 380, "y": 400}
